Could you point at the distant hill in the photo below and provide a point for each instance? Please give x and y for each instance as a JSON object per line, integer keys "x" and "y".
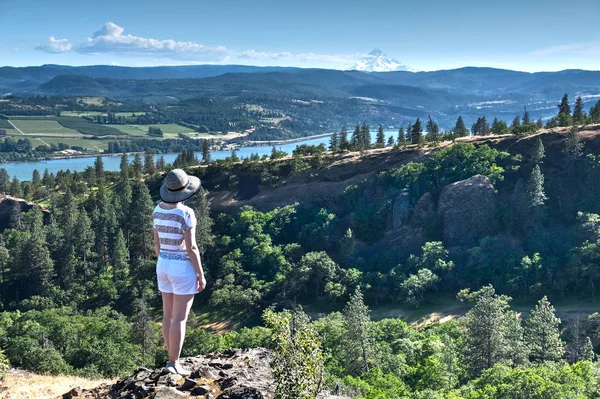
{"x": 380, "y": 97}
{"x": 378, "y": 61}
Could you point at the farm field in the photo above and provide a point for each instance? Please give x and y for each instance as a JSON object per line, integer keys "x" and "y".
{"x": 170, "y": 130}
{"x": 92, "y": 145}
{"x": 39, "y": 126}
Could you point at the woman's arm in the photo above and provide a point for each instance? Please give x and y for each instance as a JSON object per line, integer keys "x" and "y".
{"x": 156, "y": 243}
{"x": 194, "y": 255}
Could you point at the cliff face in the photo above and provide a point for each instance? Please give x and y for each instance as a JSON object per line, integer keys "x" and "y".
{"x": 6, "y": 207}
{"x": 233, "y": 374}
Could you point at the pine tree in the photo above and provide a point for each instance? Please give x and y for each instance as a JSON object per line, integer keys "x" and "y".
{"x": 4, "y": 260}
{"x": 526, "y": 118}
{"x": 380, "y": 141}
{"x": 344, "y": 139}
{"x": 15, "y": 188}
{"x": 4, "y": 181}
{"x": 297, "y": 356}
{"x": 334, "y": 144}
{"x": 83, "y": 236}
{"x": 140, "y": 222}
{"x": 514, "y": 127}
{"x": 433, "y": 132}
{"x": 573, "y": 146}
{"x": 36, "y": 179}
{"x": 356, "y": 141}
{"x": 485, "y": 341}
{"x": 99, "y": 167}
{"x": 588, "y": 350}
{"x": 204, "y": 235}
{"x": 517, "y": 352}
{"x": 416, "y": 132}
{"x": 540, "y": 123}
{"x": 564, "y": 107}
{"x": 538, "y": 153}
{"x": 205, "y": 152}
{"x": 595, "y": 113}
{"x": 160, "y": 164}
{"x": 460, "y": 130}
{"x": 542, "y": 333}
{"x": 16, "y": 220}
{"x": 143, "y": 331}
{"x": 358, "y": 326}
{"x": 136, "y": 166}
{"x": 124, "y": 167}
{"x": 365, "y": 135}
{"x": 401, "y": 136}
{"x": 578, "y": 112}
{"x": 119, "y": 257}
{"x": 535, "y": 188}
{"x": 390, "y": 141}
{"x": 104, "y": 225}
{"x": 149, "y": 167}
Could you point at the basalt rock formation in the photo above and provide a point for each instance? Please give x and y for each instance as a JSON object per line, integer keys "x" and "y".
{"x": 232, "y": 374}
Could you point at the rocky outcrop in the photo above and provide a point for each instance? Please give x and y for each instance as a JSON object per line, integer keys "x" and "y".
{"x": 232, "y": 374}
{"x": 7, "y": 204}
{"x": 401, "y": 209}
{"x": 466, "y": 209}
{"x": 424, "y": 209}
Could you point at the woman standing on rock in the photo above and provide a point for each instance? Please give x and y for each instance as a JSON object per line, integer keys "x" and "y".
{"x": 179, "y": 270}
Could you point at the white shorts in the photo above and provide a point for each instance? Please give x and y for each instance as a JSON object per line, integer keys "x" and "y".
{"x": 176, "y": 276}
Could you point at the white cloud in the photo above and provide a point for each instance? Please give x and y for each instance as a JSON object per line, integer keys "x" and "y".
{"x": 110, "y": 39}
{"x": 53, "y": 45}
{"x": 572, "y": 48}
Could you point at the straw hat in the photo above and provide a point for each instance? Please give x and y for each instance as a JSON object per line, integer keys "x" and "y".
{"x": 178, "y": 186}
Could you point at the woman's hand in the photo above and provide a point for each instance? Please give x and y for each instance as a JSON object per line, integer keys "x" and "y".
{"x": 200, "y": 282}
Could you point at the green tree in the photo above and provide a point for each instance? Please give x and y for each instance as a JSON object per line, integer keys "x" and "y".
{"x": 136, "y": 166}
{"x": 343, "y": 139}
{"x": 334, "y": 143}
{"x": 415, "y": 286}
{"x": 99, "y": 167}
{"x": 149, "y": 167}
{"x": 140, "y": 222}
{"x": 588, "y": 350}
{"x": 535, "y": 188}
{"x": 390, "y": 141}
{"x": 460, "y": 130}
{"x": 205, "y": 152}
{"x": 119, "y": 257}
{"x": 526, "y": 118}
{"x": 16, "y": 220}
{"x": 143, "y": 331}
{"x": 124, "y": 167}
{"x": 365, "y": 137}
{"x": 540, "y": 123}
{"x": 485, "y": 340}
{"x": 4, "y": 181}
{"x": 4, "y": 365}
{"x": 356, "y": 138}
{"x": 401, "y": 136}
{"x": 499, "y": 127}
{"x": 514, "y": 127}
{"x": 416, "y": 132}
{"x": 15, "y": 188}
{"x": 538, "y": 153}
{"x": 573, "y": 147}
{"x": 359, "y": 334}
{"x": 542, "y": 333}
{"x": 160, "y": 164}
{"x": 564, "y": 107}
{"x": 297, "y": 357}
{"x": 380, "y": 140}
{"x": 578, "y": 112}
{"x": 36, "y": 179}
{"x": 83, "y": 236}
{"x": 433, "y": 132}
{"x": 204, "y": 235}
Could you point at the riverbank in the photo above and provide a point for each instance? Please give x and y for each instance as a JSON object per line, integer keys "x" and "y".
{"x": 282, "y": 142}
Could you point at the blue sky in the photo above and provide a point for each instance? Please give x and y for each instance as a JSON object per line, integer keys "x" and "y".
{"x": 527, "y": 35}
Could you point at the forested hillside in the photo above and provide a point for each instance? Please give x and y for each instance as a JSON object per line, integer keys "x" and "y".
{"x": 491, "y": 220}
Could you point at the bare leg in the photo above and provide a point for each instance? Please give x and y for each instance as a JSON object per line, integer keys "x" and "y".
{"x": 167, "y": 317}
{"x": 181, "y": 309}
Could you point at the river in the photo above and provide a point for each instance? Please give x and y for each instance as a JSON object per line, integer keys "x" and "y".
{"x": 24, "y": 170}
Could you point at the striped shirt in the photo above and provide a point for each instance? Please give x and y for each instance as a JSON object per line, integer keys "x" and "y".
{"x": 171, "y": 224}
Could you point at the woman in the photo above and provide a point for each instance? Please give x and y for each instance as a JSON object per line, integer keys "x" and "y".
{"x": 179, "y": 271}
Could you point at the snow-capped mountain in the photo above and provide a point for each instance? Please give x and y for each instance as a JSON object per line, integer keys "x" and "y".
{"x": 378, "y": 61}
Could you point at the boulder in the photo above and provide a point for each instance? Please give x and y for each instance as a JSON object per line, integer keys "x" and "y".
{"x": 424, "y": 209}
{"x": 401, "y": 209}
{"x": 466, "y": 209}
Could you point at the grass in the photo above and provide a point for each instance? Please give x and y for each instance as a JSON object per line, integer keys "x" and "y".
{"x": 4, "y": 124}
{"x": 23, "y": 384}
{"x": 85, "y": 127}
{"x": 37, "y": 126}
{"x": 92, "y": 145}
{"x": 170, "y": 130}
{"x": 133, "y": 130}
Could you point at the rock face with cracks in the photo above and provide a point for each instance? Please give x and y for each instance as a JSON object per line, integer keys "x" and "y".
{"x": 232, "y": 374}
